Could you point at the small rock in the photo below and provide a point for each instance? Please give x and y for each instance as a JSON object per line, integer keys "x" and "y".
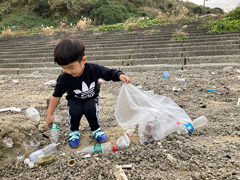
{"x": 203, "y": 106}
{"x": 138, "y": 159}
{"x": 228, "y": 156}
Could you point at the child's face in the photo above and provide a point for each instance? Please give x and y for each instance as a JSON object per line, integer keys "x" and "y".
{"x": 75, "y": 68}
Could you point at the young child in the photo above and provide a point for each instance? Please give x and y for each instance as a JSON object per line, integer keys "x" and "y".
{"x": 80, "y": 81}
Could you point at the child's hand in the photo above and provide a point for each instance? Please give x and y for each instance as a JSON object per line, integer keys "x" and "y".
{"x": 124, "y": 78}
{"x": 49, "y": 119}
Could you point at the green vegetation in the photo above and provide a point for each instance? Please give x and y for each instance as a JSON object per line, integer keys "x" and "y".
{"x": 110, "y": 14}
{"x": 111, "y": 27}
{"x": 34, "y": 15}
{"x": 18, "y": 20}
{"x": 230, "y": 22}
{"x": 179, "y": 35}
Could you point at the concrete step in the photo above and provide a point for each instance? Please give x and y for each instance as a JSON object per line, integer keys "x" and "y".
{"x": 139, "y": 68}
{"x": 49, "y": 52}
{"x": 91, "y": 50}
{"x": 125, "y": 56}
{"x": 92, "y": 41}
{"x": 135, "y": 62}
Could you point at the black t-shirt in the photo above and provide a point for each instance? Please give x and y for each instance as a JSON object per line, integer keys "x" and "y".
{"x": 86, "y": 86}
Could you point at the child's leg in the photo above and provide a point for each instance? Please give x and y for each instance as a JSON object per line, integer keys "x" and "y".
{"x": 75, "y": 112}
{"x": 90, "y": 110}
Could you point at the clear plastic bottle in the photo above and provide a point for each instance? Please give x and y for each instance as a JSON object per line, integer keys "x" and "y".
{"x": 55, "y": 129}
{"x": 33, "y": 113}
{"x": 189, "y": 127}
{"x": 180, "y": 79}
{"x": 122, "y": 142}
{"x": 46, "y": 151}
{"x": 98, "y": 148}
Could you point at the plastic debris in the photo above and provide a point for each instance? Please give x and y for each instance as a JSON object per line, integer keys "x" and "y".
{"x": 8, "y": 141}
{"x": 177, "y": 89}
{"x": 52, "y": 82}
{"x": 166, "y": 74}
{"x": 238, "y": 101}
{"x": 26, "y": 161}
{"x": 180, "y": 79}
{"x": 100, "y": 81}
{"x": 86, "y": 156}
{"x": 31, "y": 165}
{"x": 33, "y": 113}
{"x": 211, "y": 90}
{"x": 226, "y": 68}
{"x": 122, "y": 142}
{"x": 10, "y": 109}
{"x": 15, "y": 81}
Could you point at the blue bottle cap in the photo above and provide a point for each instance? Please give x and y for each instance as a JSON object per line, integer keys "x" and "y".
{"x": 189, "y": 127}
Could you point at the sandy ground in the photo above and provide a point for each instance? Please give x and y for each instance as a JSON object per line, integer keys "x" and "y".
{"x": 211, "y": 152}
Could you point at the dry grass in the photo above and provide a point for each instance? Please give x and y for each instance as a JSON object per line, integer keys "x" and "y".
{"x": 83, "y": 24}
{"x": 180, "y": 33}
{"x": 132, "y": 23}
{"x": 151, "y": 10}
{"x": 47, "y": 31}
{"x": 8, "y": 33}
{"x": 180, "y": 14}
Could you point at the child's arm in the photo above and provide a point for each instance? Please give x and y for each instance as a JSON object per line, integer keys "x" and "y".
{"x": 124, "y": 78}
{"x": 54, "y": 101}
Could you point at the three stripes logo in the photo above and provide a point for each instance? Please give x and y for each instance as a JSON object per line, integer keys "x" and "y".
{"x": 86, "y": 91}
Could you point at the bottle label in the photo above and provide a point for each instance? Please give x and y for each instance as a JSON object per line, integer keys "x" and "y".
{"x": 189, "y": 127}
{"x": 97, "y": 148}
{"x": 39, "y": 154}
{"x": 55, "y": 126}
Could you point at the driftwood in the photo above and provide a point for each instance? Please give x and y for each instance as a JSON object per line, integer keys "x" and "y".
{"x": 119, "y": 173}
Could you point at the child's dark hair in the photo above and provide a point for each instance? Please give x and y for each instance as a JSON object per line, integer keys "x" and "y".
{"x": 68, "y": 51}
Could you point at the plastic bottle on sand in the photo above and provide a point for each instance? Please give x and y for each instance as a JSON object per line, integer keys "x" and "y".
{"x": 122, "y": 142}
{"x": 189, "y": 127}
{"x": 180, "y": 79}
{"x": 48, "y": 150}
{"x": 98, "y": 148}
{"x": 55, "y": 129}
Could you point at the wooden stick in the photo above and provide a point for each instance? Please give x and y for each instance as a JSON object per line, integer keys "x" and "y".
{"x": 119, "y": 173}
{"x": 127, "y": 166}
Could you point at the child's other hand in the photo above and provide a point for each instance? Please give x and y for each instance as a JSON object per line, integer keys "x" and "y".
{"x": 49, "y": 119}
{"x": 124, "y": 78}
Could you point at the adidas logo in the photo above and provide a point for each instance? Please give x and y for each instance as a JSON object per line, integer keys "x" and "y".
{"x": 86, "y": 91}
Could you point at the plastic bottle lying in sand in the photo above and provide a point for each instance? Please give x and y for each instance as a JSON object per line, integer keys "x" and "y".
{"x": 122, "y": 142}
{"x": 181, "y": 79}
{"x": 55, "y": 129}
{"x": 46, "y": 151}
{"x": 98, "y": 148}
{"x": 189, "y": 127}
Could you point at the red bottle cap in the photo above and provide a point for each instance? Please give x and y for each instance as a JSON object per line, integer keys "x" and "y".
{"x": 115, "y": 148}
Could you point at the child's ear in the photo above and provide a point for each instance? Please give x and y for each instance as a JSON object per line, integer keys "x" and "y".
{"x": 84, "y": 59}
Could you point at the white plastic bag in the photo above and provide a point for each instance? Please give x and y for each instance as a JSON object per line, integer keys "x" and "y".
{"x": 156, "y": 116}
{"x": 33, "y": 113}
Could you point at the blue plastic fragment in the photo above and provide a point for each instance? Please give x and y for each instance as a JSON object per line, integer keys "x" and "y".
{"x": 166, "y": 74}
{"x": 210, "y": 90}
